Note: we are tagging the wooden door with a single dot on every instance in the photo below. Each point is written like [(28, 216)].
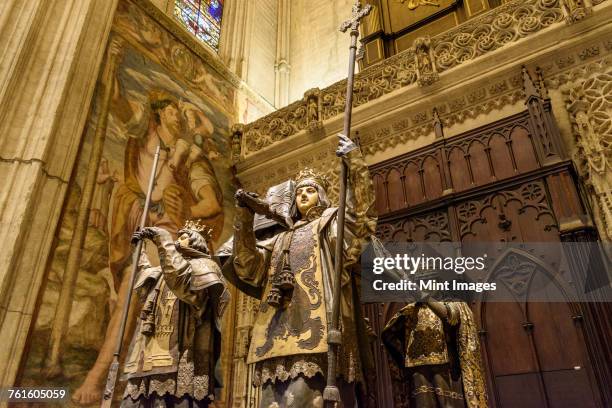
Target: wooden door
[(534, 352)]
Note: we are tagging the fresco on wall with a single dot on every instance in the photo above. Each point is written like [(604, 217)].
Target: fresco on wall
[(153, 102)]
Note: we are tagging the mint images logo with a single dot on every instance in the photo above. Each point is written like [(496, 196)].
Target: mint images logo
[(411, 264), (528, 271)]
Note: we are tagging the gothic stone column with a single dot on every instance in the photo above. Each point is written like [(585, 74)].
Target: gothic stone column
[(51, 51)]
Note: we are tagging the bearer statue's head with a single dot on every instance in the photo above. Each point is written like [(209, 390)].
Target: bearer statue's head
[(192, 239), (310, 193)]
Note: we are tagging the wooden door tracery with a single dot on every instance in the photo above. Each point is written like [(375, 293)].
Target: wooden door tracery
[(503, 182)]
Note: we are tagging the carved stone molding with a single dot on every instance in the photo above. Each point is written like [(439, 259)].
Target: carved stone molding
[(483, 100), (589, 103), (502, 25), (274, 127), (321, 160), (575, 10), (421, 64), (427, 73)]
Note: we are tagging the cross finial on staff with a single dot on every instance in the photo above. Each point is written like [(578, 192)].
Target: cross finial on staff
[(331, 394), (358, 13)]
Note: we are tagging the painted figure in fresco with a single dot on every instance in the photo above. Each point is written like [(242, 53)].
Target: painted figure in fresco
[(180, 192), (295, 269), (172, 356), (436, 346), (105, 182), (186, 187)]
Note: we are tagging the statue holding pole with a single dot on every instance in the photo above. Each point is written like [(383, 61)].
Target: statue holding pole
[(173, 352), (306, 337)]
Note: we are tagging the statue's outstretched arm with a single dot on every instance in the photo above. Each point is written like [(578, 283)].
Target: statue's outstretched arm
[(176, 271), (249, 260)]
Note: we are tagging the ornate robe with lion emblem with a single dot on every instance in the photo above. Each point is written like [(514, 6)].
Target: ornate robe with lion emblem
[(291, 340)]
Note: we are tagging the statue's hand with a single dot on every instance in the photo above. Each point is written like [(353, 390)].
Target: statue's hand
[(242, 197), (345, 145), (145, 233)]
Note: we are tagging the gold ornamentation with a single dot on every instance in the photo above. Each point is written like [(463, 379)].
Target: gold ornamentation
[(309, 175), (426, 343), (426, 389), (197, 226), (414, 4)]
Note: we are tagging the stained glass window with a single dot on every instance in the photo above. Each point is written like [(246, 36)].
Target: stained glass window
[(202, 18)]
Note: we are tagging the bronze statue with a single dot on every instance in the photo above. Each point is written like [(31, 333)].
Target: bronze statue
[(436, 346), (295, 268), (172, 356)]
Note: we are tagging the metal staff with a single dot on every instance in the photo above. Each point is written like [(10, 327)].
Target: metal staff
[(331, 393), (109, 389)]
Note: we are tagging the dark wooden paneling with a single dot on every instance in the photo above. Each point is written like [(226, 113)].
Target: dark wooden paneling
[(503, 182), (475, 158)]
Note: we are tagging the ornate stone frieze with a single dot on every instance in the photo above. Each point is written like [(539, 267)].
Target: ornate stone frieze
[(575, 10), (502, 25), (421, 64), (555, 80), (589, 102), (480, 101), (453, 112), (372, 83), (274, 127)]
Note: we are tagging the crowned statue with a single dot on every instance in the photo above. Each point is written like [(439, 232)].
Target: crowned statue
[(435, 345), (173, 353), (294, 267)]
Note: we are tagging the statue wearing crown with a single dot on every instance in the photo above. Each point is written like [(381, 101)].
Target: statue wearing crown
[(172, 356), (294, 268)]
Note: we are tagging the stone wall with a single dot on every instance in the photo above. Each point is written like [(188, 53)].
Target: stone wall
[(318, 50)]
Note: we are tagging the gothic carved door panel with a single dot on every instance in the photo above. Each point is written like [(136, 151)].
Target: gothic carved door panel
[(505, 182), (534, 351)]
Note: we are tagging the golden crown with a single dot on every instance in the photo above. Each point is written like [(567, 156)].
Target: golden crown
[(309, 175), (202, 229)]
